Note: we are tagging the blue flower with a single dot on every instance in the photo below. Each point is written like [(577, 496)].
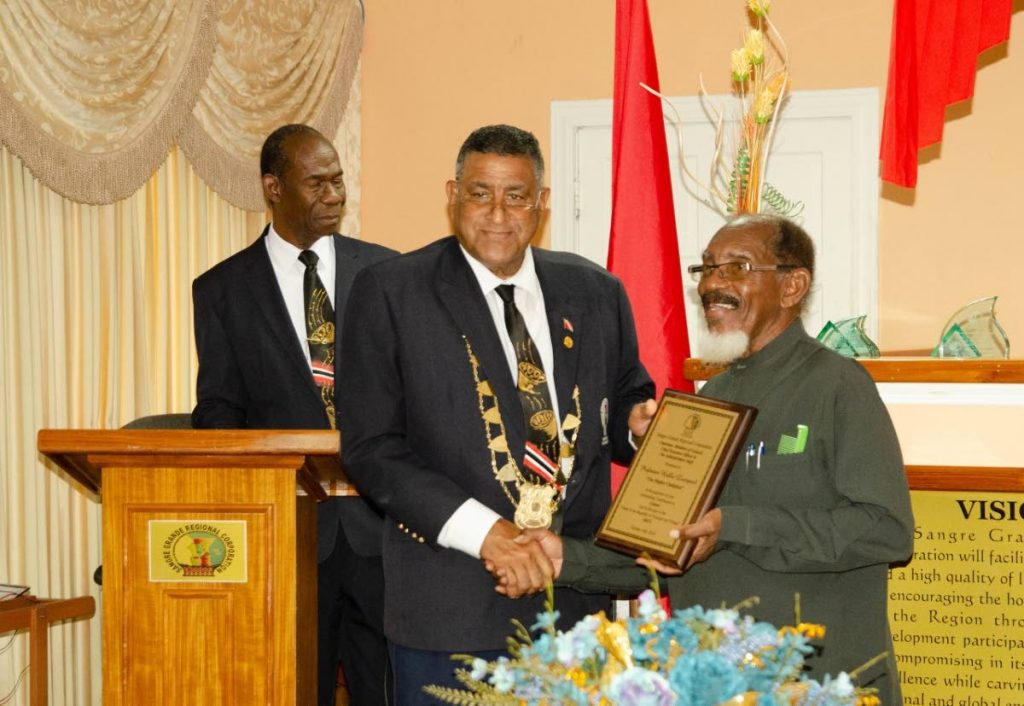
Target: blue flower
[(696, 657), (502, 678), (639, 687), (543, 648), (723, 619), (579, 643), (840, 686), (648, 606), (546, 620), (479, 670), (705, 678)]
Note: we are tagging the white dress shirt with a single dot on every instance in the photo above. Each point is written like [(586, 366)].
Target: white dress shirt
[(466, 529), (290, 274)]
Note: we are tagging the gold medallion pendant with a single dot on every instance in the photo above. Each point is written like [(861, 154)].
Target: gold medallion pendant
[(535, 507)]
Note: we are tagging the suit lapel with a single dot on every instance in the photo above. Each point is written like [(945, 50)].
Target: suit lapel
[(461, 295), (264, 290), (346, 265), (565, 322)]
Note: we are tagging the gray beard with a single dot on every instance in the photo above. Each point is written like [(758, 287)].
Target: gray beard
[(722, 348)]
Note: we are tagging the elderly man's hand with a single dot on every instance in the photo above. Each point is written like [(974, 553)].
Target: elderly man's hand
[(705, 531), (550, 542), (519, 565), (640, 417)]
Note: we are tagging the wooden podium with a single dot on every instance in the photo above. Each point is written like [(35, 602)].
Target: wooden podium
[(209, 560)]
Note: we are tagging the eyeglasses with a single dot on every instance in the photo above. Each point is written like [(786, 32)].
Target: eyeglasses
[(732, 271), (514, 201)]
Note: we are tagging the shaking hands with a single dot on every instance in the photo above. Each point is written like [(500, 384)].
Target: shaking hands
[(524, 562)]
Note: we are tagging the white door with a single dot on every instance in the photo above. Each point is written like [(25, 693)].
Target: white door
[(825, 154)]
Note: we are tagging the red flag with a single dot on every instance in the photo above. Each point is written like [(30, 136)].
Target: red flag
[(932, 63), (643, 250)]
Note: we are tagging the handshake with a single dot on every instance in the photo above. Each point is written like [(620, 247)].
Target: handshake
[(523, 562)]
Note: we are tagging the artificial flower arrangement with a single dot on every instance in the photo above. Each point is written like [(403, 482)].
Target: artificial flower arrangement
[(760, 79), (696, 657)]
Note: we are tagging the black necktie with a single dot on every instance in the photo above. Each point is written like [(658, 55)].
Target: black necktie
[(532, 383), (319, 331)]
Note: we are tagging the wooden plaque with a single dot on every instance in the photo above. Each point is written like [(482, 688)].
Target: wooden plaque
[(676, 475)]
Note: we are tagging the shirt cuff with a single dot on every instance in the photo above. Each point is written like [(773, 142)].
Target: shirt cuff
[(466, 529)]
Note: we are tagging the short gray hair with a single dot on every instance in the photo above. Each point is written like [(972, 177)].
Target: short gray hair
[(504, 140), (790, 243)]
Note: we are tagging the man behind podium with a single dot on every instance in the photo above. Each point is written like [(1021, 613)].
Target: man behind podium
[(265, 320)]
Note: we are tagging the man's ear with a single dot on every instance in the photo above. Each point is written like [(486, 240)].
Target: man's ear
[(271, 188), (451, 189), (795, 287), (545, 194)]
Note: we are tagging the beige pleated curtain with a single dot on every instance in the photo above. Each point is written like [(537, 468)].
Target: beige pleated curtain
[(129, 165)]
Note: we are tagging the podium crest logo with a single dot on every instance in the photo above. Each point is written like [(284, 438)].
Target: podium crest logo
[(206, 552), (197, 550)]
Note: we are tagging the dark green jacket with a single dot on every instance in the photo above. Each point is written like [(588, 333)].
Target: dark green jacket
[(825, 523)]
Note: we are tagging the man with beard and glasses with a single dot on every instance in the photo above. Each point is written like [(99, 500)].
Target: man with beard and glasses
[(825, 508)]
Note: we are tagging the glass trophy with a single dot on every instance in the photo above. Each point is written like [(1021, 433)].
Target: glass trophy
[(847, 337), (973, 332)]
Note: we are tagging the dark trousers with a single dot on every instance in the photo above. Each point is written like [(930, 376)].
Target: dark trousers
[(414, 669), (350, 625)]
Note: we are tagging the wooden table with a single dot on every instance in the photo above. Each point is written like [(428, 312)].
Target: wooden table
[(35, 615)]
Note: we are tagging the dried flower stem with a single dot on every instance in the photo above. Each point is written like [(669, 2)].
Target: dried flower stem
[(677, 124), (783, 50), (867, 665), (760, 83)]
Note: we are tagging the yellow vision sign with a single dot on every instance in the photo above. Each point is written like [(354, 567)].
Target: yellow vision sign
[(957, 609)]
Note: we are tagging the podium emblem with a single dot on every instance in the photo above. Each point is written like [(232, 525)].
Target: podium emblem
[(197, 550)]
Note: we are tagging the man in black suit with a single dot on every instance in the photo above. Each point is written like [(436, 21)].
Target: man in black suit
[(458, 358), (266, 359)]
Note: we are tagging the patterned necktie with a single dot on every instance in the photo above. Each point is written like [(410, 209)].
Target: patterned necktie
[(319, 331), (532, 383)]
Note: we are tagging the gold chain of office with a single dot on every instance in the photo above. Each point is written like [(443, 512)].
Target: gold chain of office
[(537, 502)]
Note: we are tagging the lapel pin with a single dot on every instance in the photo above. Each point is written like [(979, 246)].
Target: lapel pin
[(567, 325)]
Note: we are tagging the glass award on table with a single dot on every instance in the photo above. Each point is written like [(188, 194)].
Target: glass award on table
[(973, 332), (847, 337)]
